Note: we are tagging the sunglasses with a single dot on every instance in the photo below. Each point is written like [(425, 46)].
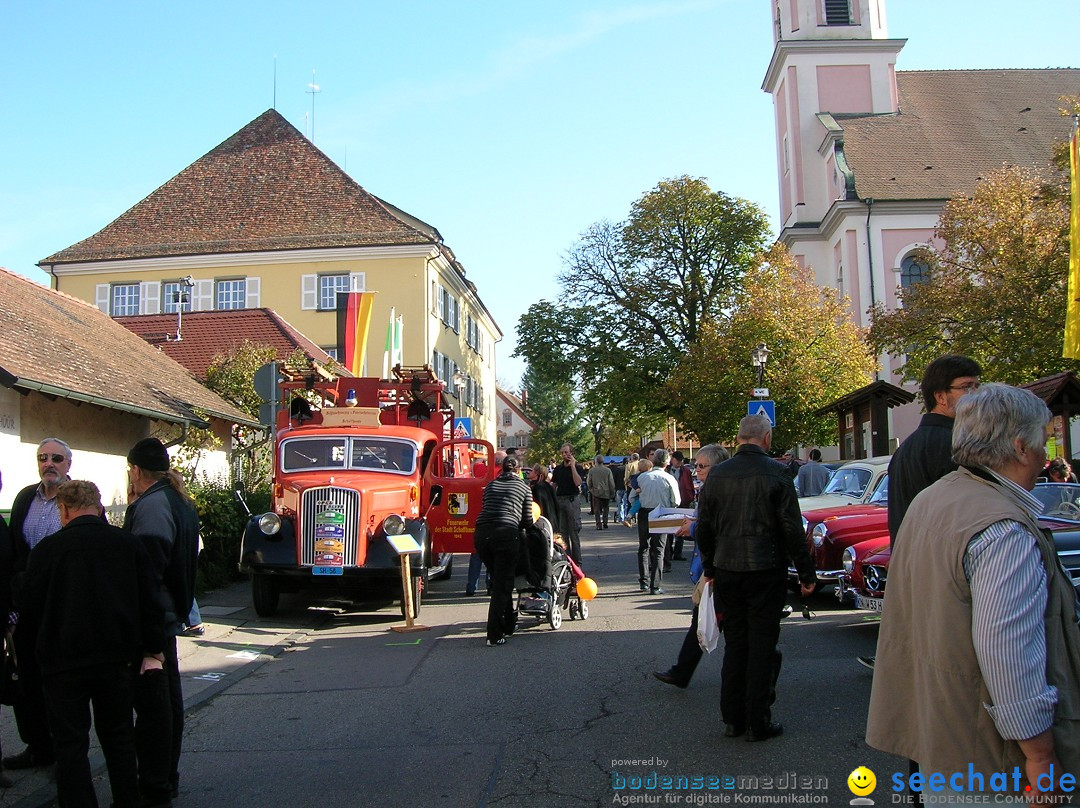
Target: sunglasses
[(56, 458), (701, 465)]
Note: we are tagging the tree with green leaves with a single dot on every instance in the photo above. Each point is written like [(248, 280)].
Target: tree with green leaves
[(636, 296), (816, 355), (550, 405), (996, 290)]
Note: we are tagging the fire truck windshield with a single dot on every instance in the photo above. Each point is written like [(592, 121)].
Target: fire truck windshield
[(342, 452)]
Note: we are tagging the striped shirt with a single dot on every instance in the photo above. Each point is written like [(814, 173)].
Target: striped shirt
[(507, 501), (1009, 593)]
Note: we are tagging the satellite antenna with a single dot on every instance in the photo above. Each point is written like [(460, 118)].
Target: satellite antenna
[(313, 88)]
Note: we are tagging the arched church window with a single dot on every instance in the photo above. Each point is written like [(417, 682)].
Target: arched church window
[(913, 271)]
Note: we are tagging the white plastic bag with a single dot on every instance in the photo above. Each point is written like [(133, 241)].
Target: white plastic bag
[(708, 630)]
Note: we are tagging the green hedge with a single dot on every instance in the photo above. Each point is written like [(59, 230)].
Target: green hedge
[(223, 520)]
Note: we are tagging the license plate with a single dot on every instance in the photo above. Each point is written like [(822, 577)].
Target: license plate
[(327, 571), (870, 604)]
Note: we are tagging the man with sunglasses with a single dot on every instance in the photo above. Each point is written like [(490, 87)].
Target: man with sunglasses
[(35, 515)]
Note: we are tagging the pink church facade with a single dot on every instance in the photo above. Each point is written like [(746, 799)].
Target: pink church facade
[(867, 155)]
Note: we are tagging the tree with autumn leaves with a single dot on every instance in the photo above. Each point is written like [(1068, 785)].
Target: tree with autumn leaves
[(816, 355), (997, 287)]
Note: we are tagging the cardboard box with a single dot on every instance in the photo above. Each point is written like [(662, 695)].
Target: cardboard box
[(668, 520)]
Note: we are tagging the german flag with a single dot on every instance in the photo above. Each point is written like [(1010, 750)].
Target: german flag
[(353, 319)]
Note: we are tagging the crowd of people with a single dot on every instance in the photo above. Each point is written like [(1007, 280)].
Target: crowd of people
[(980, 624), (93, 613)]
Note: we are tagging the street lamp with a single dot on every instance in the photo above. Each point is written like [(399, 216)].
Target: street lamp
[(458, 381), (758, 357), (183, 295)]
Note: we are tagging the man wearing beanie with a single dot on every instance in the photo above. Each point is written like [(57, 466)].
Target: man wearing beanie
[(163, 516)]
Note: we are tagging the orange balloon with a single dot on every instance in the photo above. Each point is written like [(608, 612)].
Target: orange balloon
[(536, 511), (586, 589)]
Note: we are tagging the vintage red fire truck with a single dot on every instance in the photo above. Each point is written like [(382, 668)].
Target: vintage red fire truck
[(359, 463)]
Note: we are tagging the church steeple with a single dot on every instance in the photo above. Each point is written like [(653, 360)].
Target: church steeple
[(829, 19), (831, 58)]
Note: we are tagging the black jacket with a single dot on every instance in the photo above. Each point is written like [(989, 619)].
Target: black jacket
[(169, 529), (749, 519), (922, 459), (544, 496), (91, 588), (7, 556)]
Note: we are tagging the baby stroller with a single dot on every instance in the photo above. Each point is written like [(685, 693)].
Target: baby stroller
[(545, 581)]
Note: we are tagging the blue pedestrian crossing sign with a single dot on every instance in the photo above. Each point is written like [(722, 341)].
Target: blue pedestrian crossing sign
[(766, 408)]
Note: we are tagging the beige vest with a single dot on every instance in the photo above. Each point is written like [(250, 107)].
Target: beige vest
[(928, 692)]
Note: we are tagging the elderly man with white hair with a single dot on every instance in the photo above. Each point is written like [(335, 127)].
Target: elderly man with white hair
[(979, 651), (658, 489)]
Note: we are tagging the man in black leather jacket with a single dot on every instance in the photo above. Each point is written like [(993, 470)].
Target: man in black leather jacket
[(749, 525)]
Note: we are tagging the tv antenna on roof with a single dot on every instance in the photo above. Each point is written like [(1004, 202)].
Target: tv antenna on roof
[(314, 89)]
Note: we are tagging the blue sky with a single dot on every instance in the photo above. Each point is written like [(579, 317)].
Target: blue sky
[(509, 126)]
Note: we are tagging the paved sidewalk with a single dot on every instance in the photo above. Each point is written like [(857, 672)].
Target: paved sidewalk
[(235, 643)]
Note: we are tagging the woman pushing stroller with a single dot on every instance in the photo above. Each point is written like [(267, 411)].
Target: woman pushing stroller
[(507, 509)]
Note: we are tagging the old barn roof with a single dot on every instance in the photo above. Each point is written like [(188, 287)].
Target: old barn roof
[(265, 188), (64, 347)]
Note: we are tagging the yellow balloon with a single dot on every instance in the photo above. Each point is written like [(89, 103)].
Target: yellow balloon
[(586, 589), (536, 511)]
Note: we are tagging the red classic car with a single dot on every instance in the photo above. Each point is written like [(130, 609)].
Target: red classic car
[(868, 565), (830, 531)]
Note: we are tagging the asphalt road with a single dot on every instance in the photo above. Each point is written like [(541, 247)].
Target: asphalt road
[(325, 706)]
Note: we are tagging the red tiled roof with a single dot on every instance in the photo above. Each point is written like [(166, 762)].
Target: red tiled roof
[(265, 188), (954, 128), (65, 347), (207, 334)]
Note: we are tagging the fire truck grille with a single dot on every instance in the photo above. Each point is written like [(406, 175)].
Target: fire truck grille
[(344, 504)]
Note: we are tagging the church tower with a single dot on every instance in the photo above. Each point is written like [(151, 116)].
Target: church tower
[(831, 58)]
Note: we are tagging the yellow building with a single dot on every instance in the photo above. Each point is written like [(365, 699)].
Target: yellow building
[(265, 219)]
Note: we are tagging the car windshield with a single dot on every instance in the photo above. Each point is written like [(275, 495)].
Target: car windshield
[(881, 493), (849, 481), (1060, 500), (340, 452)]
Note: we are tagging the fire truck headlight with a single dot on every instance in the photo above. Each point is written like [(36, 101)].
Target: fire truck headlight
[(269, 523), (394, 525)]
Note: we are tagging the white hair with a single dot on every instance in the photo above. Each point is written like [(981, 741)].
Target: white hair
[(990, 419)]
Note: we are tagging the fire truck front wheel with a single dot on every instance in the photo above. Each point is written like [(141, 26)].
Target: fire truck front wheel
[(265, 594)]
